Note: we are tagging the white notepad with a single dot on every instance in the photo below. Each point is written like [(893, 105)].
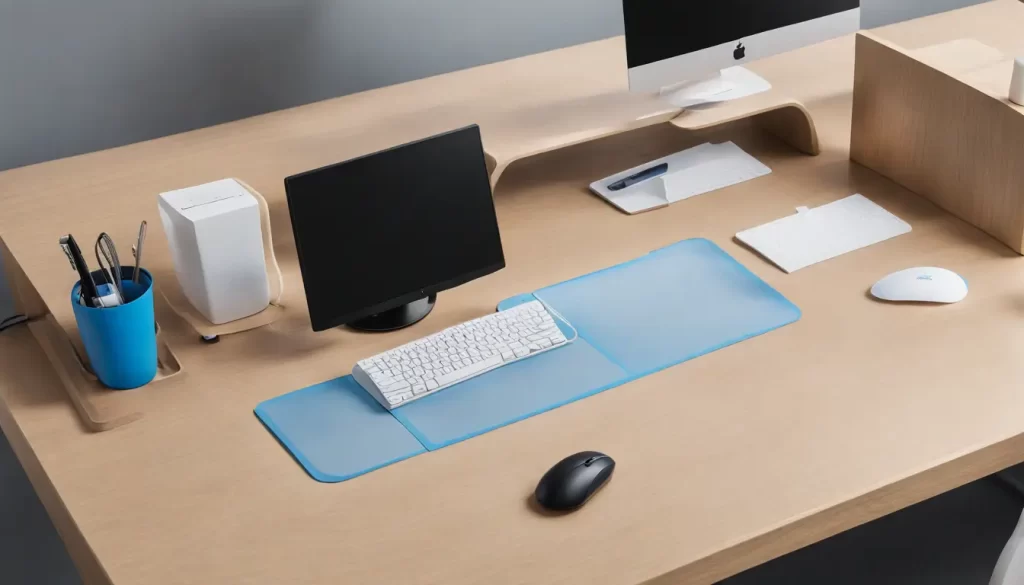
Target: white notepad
[(814, 235), (694, 171)]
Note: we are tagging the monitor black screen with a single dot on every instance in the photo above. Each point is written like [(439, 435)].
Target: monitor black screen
[(662, 29), (389, 228)]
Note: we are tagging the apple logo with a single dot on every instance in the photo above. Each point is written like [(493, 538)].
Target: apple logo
[(740, 52)]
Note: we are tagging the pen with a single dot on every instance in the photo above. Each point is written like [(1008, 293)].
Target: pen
[(643, 175), (137, 251), (87, 285)]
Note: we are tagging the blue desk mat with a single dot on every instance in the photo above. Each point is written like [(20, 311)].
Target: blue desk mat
[(337, 431), (633, 319)]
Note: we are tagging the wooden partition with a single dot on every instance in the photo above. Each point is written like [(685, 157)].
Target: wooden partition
[(938, 121)]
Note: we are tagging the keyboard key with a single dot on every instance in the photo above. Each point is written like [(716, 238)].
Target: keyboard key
[(395, 387), (469, 371)]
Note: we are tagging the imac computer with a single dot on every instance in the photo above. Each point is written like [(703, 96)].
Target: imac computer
[(379, 236), (690, 51)]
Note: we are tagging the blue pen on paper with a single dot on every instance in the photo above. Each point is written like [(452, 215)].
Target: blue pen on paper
[(655, 171)]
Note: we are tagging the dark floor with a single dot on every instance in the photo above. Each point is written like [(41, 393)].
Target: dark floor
[(953, 539), (31, 553)]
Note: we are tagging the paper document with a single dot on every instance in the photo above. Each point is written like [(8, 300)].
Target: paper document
[(814, 235), (694, 171)]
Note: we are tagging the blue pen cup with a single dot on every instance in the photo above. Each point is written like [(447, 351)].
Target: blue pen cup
[(120, 341)]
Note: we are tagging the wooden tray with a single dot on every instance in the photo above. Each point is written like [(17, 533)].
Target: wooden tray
[(99, 407)]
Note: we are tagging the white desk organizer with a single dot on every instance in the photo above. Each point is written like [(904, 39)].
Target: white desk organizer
[(170, 289), (691, 172)]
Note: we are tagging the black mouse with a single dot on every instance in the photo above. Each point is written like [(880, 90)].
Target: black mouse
[(570, 483)]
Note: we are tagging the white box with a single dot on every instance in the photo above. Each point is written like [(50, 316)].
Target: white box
[(217, 246)]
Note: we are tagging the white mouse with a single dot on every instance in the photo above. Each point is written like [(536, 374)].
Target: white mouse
[(927, 285)]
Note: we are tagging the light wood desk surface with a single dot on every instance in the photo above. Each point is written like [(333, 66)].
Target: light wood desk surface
[(724, 462)]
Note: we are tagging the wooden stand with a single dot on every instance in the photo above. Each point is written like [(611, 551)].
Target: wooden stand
[(607, 115), (938, 122), (99, 407), (170, 289)]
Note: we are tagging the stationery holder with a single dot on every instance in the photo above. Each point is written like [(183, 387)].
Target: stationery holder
[(175, 298), (120, 341)]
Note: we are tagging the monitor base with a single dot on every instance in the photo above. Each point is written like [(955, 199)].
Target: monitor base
[(396, 318), (730, 84)]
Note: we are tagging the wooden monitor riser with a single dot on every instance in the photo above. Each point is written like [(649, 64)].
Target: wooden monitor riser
[(784, 117)]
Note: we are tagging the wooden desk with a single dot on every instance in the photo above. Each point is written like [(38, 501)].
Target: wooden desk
[(725, 462)]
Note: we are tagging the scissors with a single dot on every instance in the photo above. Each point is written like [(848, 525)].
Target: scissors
[(106, 253)]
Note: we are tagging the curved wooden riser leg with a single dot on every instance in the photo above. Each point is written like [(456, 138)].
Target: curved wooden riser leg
[(792, 125), (496, 173)]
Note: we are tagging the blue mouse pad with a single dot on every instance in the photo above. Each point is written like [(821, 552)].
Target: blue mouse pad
[(633, 319)]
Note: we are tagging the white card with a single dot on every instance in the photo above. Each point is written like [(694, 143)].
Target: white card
[(814, 235)]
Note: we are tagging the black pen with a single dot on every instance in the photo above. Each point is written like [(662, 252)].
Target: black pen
[(643, 175), (78, 263)]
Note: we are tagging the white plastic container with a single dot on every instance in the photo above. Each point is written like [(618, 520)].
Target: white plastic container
[(217, 246)]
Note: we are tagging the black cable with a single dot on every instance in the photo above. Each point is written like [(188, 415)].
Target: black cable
[(12, 321)]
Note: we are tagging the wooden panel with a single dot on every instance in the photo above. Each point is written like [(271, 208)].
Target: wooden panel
[(26, 299), (941, 130), (29, 379)]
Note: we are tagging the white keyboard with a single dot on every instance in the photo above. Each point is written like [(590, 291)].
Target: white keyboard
[(458, 353)]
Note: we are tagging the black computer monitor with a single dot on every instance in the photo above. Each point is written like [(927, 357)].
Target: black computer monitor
[(379, 236)]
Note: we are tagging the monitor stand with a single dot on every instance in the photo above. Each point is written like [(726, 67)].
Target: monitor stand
[(397, 318), (730, 84)]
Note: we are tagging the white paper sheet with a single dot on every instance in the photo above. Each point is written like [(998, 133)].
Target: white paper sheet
[(815, 235)]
